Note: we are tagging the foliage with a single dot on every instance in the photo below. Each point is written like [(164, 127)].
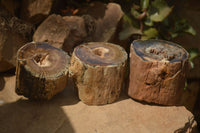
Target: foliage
[(145, 18), (153, 19), (194, 52)]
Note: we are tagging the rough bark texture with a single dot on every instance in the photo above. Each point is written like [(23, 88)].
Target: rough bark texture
[(41, 71), (69, 31), (61, 32), (98, 81), (77, 35), (107, 19), (35, 11), (159, 76), (104, 21), (13, 34), (54, 30)]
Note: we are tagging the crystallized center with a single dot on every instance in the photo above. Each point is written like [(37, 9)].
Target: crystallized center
[(42, 60), (100, 51)]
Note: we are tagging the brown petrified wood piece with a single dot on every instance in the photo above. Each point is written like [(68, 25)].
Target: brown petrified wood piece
[(35, 11), (41, 71), (98, 69), (67, 32), (14, 33), (53, 31), (157, 71), (61, 32), (107, 18)]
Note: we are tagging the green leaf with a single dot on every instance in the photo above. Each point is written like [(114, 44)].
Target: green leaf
[(127, 20), (128, 31), (163, 10), (191, 64), (161, 15), (159, 4), (190, 30), (150, 33), (135, 13), (193, 52), (129, 28), (144, 4), (186, 85), (136, 7), (148, 22), (173, 34)]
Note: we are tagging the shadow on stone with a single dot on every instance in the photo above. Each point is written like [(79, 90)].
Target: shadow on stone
[(68, 96), (10, 72), (2, 83), (24, 116)]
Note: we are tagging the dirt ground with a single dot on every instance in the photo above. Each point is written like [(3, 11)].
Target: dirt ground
[(65, 113)]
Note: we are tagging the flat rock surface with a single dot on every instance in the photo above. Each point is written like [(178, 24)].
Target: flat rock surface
[(66, 114)]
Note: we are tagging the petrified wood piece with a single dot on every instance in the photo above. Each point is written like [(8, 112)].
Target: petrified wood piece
[(41, 71), (35, 11), (61, 32), (106, 21), (69, 31), (77, 34), (14, 33), (53, 30), (157, 71), (98, 69)]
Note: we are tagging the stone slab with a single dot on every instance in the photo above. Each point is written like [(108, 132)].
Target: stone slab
[(66, 113)]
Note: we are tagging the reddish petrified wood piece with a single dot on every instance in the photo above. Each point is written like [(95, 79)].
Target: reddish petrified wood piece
[(42, 71), (157, 71), (98, 69)]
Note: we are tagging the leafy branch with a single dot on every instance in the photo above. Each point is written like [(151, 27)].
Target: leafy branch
[(153, 19)]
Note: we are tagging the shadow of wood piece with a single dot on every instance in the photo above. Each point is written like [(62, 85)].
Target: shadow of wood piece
[(2, 83), (24, 116), (197, 108), (20, 115), (190, 94)]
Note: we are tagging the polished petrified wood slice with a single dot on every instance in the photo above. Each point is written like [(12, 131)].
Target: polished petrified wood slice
[(41, 71), (98, 69), (157, 71)]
